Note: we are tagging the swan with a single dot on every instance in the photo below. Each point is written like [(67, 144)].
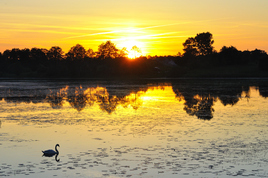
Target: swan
[(51, 152)]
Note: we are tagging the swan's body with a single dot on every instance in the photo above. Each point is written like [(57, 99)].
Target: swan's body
[(51, 152)]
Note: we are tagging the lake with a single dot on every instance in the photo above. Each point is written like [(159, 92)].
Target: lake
[(134, 128)]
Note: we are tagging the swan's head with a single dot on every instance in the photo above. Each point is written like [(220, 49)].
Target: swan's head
[(57, 145)]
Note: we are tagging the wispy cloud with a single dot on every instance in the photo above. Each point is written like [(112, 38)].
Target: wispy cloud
[(136, 30), (30, 26), (126, 30), (153, 36), (39, 31), (93, 34)]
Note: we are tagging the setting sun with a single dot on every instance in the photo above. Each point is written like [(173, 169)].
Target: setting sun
[(133, 46), (155, 31)]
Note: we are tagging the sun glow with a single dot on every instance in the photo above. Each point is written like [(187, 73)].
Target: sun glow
[(133, 46)]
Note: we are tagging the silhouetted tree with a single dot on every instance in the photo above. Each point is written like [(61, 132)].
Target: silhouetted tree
[(190, 48), (107, 50), (228, 50), (38, 54), (90, 53), (55, 53), (76, 52), (6, 55), (123, 52), (204, 43), (136, 51), (258, 54), (15, 54), (229, 55), (201, 44), (25, 55)]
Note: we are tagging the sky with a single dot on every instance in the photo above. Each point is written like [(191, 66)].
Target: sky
[(157, 27)]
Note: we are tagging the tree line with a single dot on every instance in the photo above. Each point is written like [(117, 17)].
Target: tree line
[(198, 59)]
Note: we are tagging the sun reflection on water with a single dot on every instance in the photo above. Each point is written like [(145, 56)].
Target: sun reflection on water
[(79, 97)]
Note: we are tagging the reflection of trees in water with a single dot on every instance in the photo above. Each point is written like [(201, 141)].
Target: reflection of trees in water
[(263, 89), (230, 96), (196, 101), (179, 95), (105, 101), (109, 103), (198, 96), (56, 98), (79, 98), (200, 106)]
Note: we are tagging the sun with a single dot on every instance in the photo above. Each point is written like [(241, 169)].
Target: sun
[(131, 44), (135, 52)]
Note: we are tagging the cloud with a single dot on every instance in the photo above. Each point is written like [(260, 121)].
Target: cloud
[(126, 30), (138, 29)]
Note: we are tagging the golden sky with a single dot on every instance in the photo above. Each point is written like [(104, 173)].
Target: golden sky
[(157, 27)]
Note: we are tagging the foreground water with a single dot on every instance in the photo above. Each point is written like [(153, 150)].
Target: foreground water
[(145, 128)]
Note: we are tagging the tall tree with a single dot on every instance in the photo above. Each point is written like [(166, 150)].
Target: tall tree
[(55, 53), (190, 48), (38, 54), (123, 52), (230, 55), (136, 51), (25, 54), (76, 52), (107, 50), (204, 43), (201, 44), (90, 53), (15, 54)]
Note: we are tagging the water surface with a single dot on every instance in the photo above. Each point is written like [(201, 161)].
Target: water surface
[(137, 128)]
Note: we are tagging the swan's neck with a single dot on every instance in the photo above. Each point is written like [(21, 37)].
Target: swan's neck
[(56, 149), (56, 158)]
